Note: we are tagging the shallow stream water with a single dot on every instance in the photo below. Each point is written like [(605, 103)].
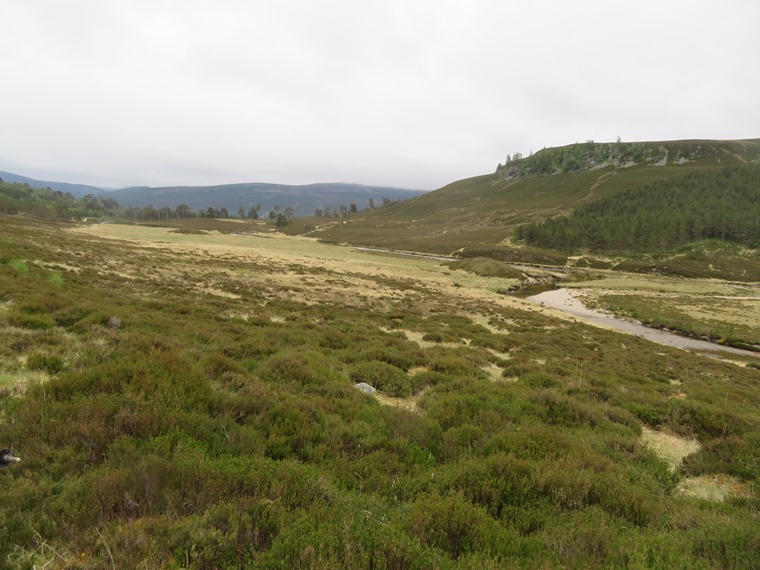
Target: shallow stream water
[(566, 300)]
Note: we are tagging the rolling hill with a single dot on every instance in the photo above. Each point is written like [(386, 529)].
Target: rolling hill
[(719, 203), (77, 190), (481, 213), (304, 199)]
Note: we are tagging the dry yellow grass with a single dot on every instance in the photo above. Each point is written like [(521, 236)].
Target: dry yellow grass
[(642, 284), (360, 273), (497, 354), (669, 447), (483, 321), (493, 371), (714, 488), (737, 311), (672, 449), (409, 403), (17, 381), (418, 338)]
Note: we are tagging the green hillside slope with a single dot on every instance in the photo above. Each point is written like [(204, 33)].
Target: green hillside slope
[(482, 212), (719, 203), (78, 190)]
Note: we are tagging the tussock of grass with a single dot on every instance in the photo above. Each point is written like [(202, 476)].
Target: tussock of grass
[(408, 403), (671, 448), (494, 372), (17, 382), (19, 266), (715, 488)]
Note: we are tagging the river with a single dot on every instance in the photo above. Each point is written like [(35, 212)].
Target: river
[(566, 300)]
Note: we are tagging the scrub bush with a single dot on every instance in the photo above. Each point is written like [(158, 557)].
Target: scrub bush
[(382, 376)]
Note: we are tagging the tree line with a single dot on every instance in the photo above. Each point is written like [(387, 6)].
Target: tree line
[(711, 204), (47, 203)]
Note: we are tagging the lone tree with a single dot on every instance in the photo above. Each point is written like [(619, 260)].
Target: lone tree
[(282, 220)]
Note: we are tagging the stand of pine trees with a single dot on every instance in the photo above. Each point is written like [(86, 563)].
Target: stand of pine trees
[(712, 204)]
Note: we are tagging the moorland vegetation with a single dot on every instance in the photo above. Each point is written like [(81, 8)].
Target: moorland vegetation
[(180, 404), (182, 392)]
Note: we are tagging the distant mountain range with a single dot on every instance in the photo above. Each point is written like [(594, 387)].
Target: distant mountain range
[(304, 199), (77, 190)]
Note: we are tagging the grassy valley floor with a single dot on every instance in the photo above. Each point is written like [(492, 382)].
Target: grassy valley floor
[(188, 400)]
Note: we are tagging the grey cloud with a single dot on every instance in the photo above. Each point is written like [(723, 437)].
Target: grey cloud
[(413, 94)]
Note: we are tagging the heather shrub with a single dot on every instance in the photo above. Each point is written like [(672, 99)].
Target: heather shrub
[(50, 363), (381, 376)]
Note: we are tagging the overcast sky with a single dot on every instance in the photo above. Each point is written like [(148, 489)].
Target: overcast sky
[(407, 93)]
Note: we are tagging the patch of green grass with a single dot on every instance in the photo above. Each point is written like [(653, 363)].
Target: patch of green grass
[(19, 266), (56, 279)]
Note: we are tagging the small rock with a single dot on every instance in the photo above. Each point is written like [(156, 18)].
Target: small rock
[(114, 323), (364, 387)]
